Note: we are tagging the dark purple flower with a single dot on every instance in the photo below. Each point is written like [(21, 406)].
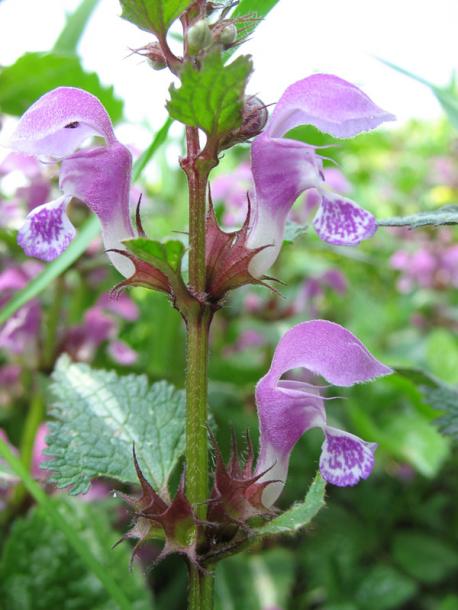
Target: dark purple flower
[(284, 168), (54, 127), (287, 409)]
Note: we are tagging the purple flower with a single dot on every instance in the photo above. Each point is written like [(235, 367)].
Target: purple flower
[(20, 332), (431, 264), (232, 190), (54, 127), (39, 452), (284, 168), (314, 289), (101, 324), (122, 353), (287, 409)]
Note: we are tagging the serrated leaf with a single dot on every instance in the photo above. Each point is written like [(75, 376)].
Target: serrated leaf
[(438, 395), (211, 98), (34, 74), (446, 215), (163, 256), (293, 230), (39, 569), (258, 9), (153, 15), (300, 514), (100, 416)]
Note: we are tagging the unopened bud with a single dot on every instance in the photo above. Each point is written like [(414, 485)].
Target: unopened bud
[(154, 55), (225, 34), (199, 37), (254, 118)]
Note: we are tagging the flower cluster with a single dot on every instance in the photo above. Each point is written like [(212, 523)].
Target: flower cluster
[(427, 263)]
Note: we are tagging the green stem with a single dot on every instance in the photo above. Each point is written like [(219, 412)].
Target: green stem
[(196, 399), (59, 521), (198, 319)]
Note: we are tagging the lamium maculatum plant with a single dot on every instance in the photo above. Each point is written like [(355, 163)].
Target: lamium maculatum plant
[(218, 507)]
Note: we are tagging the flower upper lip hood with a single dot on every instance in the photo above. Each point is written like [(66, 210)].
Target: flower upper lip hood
[(284, 168), (330, 104), (287, 409), (59, 122), (55, 126)]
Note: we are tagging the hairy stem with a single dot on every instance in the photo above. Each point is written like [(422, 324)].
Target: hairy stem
[(198, 320)]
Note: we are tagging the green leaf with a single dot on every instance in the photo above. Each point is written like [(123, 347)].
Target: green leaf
[(439, 396), (255, 8), (442, 354), (449, 603), (100, 416), (153, 15), (61, 524), (446, 215), (255, 582), (164, 256), (424, 557), (412, 438), (82, 240), (444, 398), (384, 588), (7, 475), (447, 96), (75, 25), (34, 74), (146, 156), (39, 569), (211, 98), (300, 514)]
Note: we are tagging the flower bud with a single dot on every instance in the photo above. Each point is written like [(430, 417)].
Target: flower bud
[(225, 33), (199, 37), (254, 118), (229, 34), (155, 56)]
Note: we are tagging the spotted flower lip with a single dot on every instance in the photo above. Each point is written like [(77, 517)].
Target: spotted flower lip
[(287, 408), (284, 168), (54, 127)]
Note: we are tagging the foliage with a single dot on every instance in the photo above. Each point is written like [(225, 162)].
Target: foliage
[(389, 543), (299, 515), (39, 570), (211, 98), (101, 417), (153, 15), (34, 74)]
